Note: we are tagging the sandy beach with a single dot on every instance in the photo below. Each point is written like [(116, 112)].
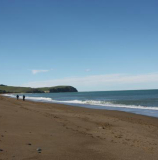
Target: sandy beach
[(64, 132)]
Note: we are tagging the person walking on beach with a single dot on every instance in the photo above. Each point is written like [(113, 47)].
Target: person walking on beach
[(23, 97), (17, 97)]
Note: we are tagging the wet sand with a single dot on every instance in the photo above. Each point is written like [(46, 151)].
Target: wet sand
[(73, 133)]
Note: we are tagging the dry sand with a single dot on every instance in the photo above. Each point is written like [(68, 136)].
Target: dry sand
[(74, 133)]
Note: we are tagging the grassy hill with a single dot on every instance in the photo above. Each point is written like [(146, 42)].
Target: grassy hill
[(56, 89)]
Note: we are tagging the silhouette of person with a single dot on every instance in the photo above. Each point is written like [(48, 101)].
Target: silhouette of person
[(23, 97), (17, 97)]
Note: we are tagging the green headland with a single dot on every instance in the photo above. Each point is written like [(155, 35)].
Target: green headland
[(55, 89)]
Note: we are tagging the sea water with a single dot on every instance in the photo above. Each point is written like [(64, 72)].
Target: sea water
[(143, 102)]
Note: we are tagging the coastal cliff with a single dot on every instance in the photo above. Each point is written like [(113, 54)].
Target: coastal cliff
[(55, 89)]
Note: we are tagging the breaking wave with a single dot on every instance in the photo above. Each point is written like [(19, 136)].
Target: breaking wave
[(87, 102)]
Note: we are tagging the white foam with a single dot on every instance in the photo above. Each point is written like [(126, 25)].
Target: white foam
[(109, 104), (39, 99), (9, 95)]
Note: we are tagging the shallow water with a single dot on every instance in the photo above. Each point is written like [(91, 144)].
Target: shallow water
[(143, 102)]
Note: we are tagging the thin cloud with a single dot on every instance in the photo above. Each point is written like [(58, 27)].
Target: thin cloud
[(39, 71), (102, 82), (87, 70)]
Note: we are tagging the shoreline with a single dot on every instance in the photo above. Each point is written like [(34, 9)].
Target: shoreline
[(137, 111), (67, 132)]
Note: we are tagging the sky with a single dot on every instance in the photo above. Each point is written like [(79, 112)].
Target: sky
[(93, 45)]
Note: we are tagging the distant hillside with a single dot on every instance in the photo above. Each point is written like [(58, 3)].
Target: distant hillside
[(56, 89)]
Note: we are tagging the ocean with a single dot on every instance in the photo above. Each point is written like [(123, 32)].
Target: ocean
[(144, 102)]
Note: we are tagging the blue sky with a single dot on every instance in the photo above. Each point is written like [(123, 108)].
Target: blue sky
[(90, 44)]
